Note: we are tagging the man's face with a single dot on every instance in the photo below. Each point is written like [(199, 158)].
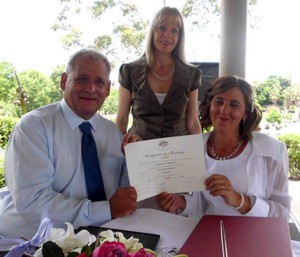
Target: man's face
[(86, 88)]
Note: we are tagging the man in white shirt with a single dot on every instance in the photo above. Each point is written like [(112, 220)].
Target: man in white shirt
[(43, 165)]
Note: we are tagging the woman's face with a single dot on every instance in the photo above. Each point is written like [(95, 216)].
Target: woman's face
[(166, 35), (227, 110)]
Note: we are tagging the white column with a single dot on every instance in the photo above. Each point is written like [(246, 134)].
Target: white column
[(233, 37)]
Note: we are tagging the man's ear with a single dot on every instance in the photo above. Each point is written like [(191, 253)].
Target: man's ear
[(63, 80), (108, 88)]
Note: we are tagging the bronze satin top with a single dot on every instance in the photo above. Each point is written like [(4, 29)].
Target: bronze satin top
[(150, 119)]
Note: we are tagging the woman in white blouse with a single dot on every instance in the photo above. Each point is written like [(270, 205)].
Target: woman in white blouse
[(247, 170)]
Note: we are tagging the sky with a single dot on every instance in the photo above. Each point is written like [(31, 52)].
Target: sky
[(28, 42), (274, 49)]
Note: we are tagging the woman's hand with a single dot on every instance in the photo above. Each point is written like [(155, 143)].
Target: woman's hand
[(219, 185), (129, 138), (171, 202)]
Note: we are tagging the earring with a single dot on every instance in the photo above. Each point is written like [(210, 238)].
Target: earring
[(243, 123)]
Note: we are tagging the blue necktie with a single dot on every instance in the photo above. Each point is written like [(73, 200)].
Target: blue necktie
[(91, 165)]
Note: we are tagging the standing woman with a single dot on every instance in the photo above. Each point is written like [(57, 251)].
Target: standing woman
[(160, 88)]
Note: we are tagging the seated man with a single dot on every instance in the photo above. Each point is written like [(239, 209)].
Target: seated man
[(44, 167)]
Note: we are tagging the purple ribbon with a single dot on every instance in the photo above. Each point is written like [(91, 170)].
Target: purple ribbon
[(21, 246)]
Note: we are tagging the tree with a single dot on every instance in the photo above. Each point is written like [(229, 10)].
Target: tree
[(272, 90), (38, 88), (8, 81), (8, 87), (274, 116), (21, 99), (131, 33), (110, 105), (27, 90), (128, 24), (201, 13), (292, 94), (56, 94), (262, 93), (281, 85)]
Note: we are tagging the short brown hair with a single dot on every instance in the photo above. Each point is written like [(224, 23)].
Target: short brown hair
[(89, 53), (222, 84)]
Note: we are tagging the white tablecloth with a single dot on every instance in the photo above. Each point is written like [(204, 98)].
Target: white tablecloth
[(173, 229)]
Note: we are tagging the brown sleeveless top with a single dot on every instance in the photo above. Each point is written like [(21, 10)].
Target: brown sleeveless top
[(150, 119)]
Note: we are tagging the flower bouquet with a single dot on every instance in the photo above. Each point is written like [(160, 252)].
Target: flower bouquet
[(50, 242), (63, 243)]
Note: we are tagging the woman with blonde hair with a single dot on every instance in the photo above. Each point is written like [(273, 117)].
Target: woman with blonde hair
[(160, 89)]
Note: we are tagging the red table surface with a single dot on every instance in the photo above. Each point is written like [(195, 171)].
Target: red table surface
[(246, 237)]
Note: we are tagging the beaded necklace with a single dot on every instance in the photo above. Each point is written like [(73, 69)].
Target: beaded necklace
[(214, 154), (170, 75)]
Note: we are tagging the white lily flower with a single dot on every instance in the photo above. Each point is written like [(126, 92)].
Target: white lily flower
[(67, 240), (107, 234), (132, 244)]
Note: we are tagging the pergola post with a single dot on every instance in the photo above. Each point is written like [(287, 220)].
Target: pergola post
[(233, 38)]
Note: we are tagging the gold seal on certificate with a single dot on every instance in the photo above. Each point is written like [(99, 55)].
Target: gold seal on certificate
[(171, 164)]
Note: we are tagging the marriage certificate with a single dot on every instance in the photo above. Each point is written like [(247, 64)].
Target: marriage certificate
[(171, 164)]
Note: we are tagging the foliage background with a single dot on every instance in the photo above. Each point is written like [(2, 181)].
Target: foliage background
[(292, 142), (2, 182)]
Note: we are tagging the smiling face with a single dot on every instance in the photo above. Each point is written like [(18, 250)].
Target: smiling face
[(227, 110), (166, 35), (86, 87)]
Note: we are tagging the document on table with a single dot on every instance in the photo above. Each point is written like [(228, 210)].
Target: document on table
[(173, 229), (172, 164)]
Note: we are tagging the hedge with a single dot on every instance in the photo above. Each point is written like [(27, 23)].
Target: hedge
[(2, 182), (6, 126), (292, 142)]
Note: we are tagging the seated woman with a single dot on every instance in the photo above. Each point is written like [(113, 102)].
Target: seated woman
[(247, 170)]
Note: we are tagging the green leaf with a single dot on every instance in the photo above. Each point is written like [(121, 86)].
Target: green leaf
[(72, 254), (51, 249), (88, 249)]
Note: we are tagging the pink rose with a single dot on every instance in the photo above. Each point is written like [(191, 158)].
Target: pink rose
[(141, 253), (110, 249)]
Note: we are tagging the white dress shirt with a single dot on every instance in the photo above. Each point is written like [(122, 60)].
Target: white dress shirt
[(45, 176)]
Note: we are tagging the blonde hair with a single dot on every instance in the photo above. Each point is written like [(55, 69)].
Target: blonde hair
[(166, 13)]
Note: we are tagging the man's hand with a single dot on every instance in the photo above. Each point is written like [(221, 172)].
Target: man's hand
[(123, 202)]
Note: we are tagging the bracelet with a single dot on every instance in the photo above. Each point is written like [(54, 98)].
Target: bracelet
[(242, 202), (178, 211)]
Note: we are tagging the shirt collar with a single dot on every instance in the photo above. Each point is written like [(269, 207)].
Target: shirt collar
[(72, 118)]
